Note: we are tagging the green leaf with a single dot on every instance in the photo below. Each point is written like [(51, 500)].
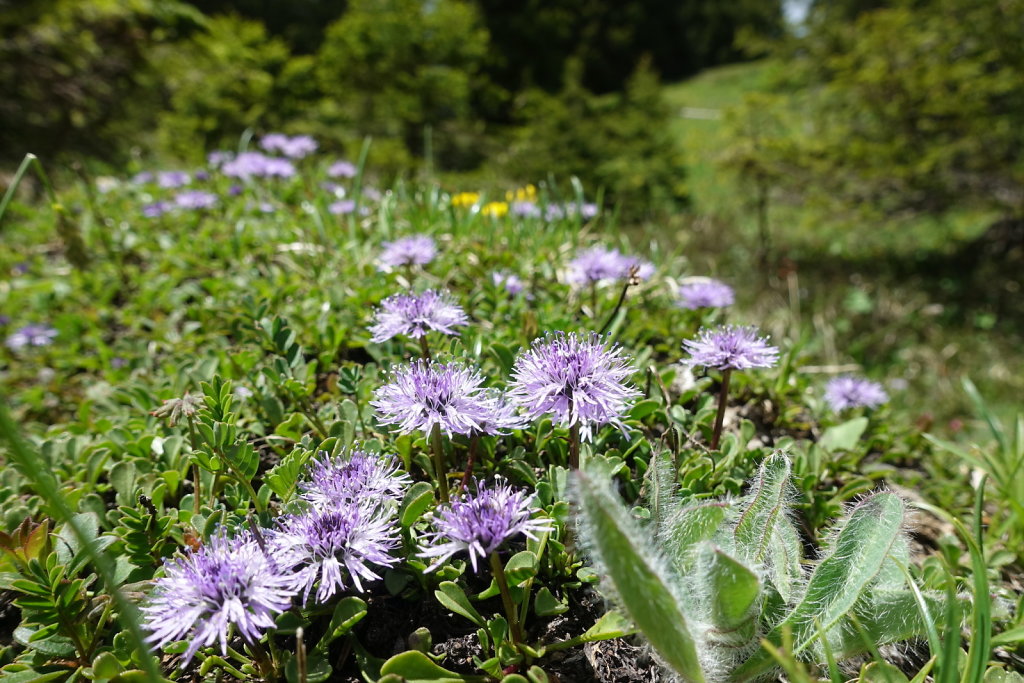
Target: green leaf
[(693, 524), (417, 499), (845, 436), (348, 612), (610, 625), (521, 568), (415, 667), (283, 477), (767, 503), (734, 591), (545, 604), (317, 669), (452, 597), (638, 577), (881, 672)]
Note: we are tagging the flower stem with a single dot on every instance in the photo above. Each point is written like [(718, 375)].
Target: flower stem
[(506, 598), (723, 395), (424, 347), (574, 446), (439, 469), (474, 442)]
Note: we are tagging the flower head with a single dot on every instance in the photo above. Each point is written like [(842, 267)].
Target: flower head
[(854, 392), (418, 250), (510, 281), (342, 207), (525, 209), (31, 335), (729, 347), (416, 314), (705, 293), (357, 477), (480, 523), (342, 169), (227, 582), (421, 395), (250, 164), (196, 199), (295, 147), (326, 545), (172, 179), (578, 379), (597, 263)]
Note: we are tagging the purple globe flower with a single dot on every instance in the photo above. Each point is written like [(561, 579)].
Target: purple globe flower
[(359, 477), (142, 178), (273, 142), (586, 210), (480, 523), (416, 314), (333, 547), (525, 209), (553, 212), (422, 395), (31, 335), (705, 293), (255, 164), (510, 281), (578, 379), (342, 207), (854, 392), (295, 147), (229, 582), (342, 169), (157, 209), (172, 179), (418, 250), (730, 347), (196, 199), (597, 263), (218, 158)]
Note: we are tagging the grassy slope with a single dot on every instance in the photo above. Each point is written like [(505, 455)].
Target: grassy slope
[(860, 275)]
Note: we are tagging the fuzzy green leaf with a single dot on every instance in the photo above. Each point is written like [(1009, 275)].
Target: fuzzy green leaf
[(639, 579), (767, 504), (734, 591)]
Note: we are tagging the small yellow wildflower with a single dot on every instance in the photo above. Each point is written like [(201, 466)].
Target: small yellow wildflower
[(496, 209), (522, 194), (465, 199)]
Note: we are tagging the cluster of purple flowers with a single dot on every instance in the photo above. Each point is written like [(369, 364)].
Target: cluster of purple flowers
[(295, 147), (195, 199), (342, 169), (414, 315), (481, 523), (30, 335), (172, 179), (257, 165), (450, 396), (347, 528), (417, 250), (512, 283), (578, 379), (847, 391), (705, 293), (598, 264), (730, 347)]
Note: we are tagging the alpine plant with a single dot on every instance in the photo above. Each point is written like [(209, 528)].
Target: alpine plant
[(706, 581)]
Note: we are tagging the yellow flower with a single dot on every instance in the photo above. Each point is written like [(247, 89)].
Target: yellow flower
[(496, 209), (465, 199), (522, 194)]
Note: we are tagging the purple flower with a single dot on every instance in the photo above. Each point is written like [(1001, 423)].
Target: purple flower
[(343, 207), (729, 347), (157, 209), (421, 395), (553, 212), (295, 147), (4, 320), (418, 250), (274, 142), (323, 546), (705, 293), (342, 169), (31, 335), (586, 210), (218, 158), (579, 380), (357, 477), (414, 315), (372, 193), (597, 263), (510, 281), (202, 175), (481, 523), (250, 164), (229, 582), (172, 179), (235, 190), (142, 178), (196, 199), (854, 392), (525, 209), (266, 207)]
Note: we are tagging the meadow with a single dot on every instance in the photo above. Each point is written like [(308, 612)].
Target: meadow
[(267, 420)]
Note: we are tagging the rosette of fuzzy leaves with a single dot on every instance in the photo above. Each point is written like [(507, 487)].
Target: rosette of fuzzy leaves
[(705, 581)]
